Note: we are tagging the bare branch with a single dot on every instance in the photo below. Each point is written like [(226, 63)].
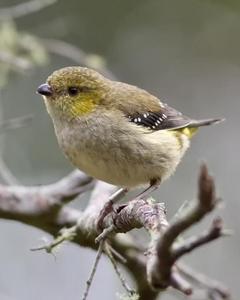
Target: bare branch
[(204, 282), (124, 283), (206, 203), (67, 188), (94, 269), (66, 234), (179, 283), (162, 256), (189, 245), (17, 202), (43, 207)]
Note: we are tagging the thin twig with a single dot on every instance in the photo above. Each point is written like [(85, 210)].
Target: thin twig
[(123, 281), (180, 284), (214, 232), (94, 268), (104, 234), (117, 255), (66, 234), (203, 281)]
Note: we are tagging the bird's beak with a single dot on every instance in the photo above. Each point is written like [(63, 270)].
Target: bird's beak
[(45, 90)]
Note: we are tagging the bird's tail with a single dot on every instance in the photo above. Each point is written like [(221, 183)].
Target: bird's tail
[(206, 122)]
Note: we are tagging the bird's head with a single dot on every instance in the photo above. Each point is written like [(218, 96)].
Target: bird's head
[(73, 92)]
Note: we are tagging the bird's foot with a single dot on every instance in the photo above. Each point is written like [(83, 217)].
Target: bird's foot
[(109, 207)]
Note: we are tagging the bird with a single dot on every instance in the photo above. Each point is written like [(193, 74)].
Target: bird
[(114, 131)]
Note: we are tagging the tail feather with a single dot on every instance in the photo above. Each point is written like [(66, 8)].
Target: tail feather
[(206, 122)]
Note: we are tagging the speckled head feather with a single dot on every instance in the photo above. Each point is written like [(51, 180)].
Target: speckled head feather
[(75, 91), (80, 77)]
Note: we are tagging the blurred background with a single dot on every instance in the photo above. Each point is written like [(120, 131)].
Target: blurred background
[(186, 52)]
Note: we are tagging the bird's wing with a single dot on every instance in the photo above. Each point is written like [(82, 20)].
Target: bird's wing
[(166, 118)]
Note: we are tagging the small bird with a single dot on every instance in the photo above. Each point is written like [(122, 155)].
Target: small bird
[(114, 131)]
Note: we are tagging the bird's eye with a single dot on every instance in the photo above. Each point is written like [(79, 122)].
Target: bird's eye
[(73, 91)]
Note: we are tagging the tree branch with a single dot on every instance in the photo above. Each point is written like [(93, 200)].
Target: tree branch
[(165, 249), (45, 207), (22, 202)]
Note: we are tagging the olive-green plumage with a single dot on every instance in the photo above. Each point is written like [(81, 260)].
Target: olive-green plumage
[(114, 131)]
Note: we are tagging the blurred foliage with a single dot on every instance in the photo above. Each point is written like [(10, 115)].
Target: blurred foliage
[(19, 51)]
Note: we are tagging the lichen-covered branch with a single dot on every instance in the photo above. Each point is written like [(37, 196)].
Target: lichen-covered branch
[(36, 204), (154, 267)]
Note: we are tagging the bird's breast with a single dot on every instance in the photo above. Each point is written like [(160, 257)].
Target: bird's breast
[(119, 152)]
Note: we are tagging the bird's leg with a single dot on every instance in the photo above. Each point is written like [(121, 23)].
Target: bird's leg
[(108, 206), (118, 195), (154, 184)]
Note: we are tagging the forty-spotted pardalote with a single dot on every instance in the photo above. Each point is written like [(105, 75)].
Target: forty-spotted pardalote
[(114, 131)]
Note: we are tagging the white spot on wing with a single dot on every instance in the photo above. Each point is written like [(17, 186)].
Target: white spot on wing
[(164, 116)]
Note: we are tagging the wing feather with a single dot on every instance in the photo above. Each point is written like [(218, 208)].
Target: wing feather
[(166, 118)]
